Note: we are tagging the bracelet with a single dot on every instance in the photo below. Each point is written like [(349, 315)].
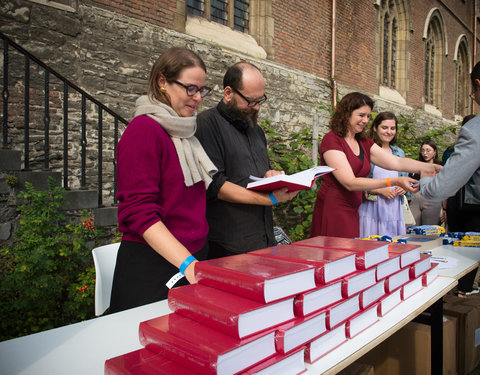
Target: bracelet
[(186, 263), (388, 182), (272, 198)]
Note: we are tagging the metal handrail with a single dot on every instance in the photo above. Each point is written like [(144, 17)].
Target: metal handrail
[(67, 85)]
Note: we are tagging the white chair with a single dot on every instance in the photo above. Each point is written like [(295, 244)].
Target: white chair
[(105, 258)]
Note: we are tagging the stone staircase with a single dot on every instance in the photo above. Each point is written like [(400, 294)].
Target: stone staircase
[(78, 200)]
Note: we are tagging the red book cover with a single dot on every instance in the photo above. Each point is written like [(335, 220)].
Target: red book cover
[(203, 349), (361, 321), (341, 311), (358, 281), (291, 363), (408, 253), (412, 287), (298, 332), (143, 362), (396, 280), (297, 181), (389, 302), (387, 267), (259, 278), (317, 299), (430, 275), (420, 266), (372, 294), (330, 264), (234, 315), (369, 253), (324, 344)]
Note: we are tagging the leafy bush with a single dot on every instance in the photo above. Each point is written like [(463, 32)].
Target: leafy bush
[(47, 279), (294, 217)]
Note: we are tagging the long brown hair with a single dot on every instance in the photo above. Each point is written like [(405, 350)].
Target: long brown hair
[(341, 117), (372, 132), (432, 144), (170, 64)]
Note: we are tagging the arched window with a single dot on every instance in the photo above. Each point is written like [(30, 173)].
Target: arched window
[(434, 55), (462, 79), (393, 37), (389, 44)]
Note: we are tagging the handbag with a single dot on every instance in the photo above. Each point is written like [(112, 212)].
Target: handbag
[(407, 213)]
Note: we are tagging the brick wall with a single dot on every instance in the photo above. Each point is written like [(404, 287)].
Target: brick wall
[(302, 35), (159, 13)]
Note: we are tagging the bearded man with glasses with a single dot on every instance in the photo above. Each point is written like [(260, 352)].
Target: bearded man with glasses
[(240, 220)]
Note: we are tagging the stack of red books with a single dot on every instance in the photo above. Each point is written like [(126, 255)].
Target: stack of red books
[(276, 308)]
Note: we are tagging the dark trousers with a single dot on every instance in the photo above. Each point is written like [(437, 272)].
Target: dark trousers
[(141, 274), (217, 251), (462, 217)]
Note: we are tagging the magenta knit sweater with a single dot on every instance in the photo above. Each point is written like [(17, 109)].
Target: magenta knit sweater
[(151, 187)]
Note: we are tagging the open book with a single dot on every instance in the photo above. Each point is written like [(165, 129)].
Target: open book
[(293, 182)]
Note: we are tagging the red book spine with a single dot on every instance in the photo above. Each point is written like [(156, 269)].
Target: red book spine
[(420, 266), (357, 282), (429, 276), (361, 321), (396, 280), (297, 333), (177, 350), (194, 307), (324, 344), (241, 284), (143, 362)]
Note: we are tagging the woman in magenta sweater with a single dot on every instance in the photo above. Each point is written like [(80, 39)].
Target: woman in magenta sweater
[(162, 175)]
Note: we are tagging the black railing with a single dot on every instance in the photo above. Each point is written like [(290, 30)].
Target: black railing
[(68, 87)]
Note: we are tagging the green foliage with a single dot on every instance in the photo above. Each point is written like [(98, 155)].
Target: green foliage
[(47, 278), (11, 181), (410, 140), (294, 217)]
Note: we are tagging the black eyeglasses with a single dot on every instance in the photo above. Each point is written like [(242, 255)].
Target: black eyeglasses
[(251, 103), (193, 89)]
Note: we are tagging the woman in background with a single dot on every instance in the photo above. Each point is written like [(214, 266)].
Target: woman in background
[(382, 213), (424, 211), (162, 175), (347, 149)]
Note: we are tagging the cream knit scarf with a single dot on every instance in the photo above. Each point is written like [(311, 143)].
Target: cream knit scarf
[(195, 163)]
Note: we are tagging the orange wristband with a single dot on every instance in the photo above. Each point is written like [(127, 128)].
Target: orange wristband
[(388, 182)]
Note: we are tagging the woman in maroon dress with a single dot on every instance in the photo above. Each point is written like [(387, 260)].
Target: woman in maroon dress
[(347, 149)]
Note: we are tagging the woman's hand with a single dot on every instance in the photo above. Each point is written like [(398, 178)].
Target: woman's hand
[(399, 190), (405, 183), (388, 192), (190, 272)]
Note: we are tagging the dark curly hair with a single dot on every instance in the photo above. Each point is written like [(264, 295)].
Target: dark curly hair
[(341, 117)]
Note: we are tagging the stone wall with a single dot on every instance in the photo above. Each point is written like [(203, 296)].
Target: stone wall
[(110, 55)]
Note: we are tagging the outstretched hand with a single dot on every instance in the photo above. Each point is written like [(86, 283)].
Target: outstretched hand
[(430, 170), (406, 183)]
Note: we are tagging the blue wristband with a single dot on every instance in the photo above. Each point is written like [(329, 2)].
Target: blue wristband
[(186, 263), (272, 198)]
